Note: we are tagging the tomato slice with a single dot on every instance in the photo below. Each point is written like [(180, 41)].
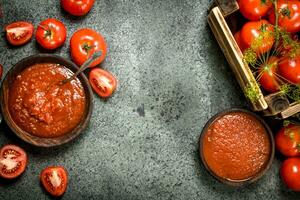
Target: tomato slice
[(19, 33), (103, 82), (55, 180), (13, 161)]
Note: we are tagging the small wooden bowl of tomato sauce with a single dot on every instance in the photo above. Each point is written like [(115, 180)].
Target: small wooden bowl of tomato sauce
[(41, 110), (236, 147)]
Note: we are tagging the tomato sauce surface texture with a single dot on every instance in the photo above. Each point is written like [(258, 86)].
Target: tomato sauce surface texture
[(236, 146), (42, 107)]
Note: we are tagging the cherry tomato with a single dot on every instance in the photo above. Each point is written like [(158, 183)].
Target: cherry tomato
[(287, 140), (268, 75), (238, 39), (290, 173), (254, 9), (55, 180), (84, 43), (258, 35), (51, 33), (19, 33), (103, 82), (289, 68), (289, 15), (77, 7), (13, 161)]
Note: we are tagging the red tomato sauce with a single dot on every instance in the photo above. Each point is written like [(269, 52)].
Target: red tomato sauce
[(42, 107), (236, 146)]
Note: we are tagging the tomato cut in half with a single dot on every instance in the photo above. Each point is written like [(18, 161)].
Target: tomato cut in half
[(84, 43), (103, 82), (254, 9), (287, 140), (19, 33), (289, 68), (290, 173), (13, 161), (55, 180), (268, 75), (51, 33), (289, 15), (77, 7)]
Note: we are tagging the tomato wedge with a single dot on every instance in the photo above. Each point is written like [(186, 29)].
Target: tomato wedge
[(19, 33), (103, 82), (55, 180), (13, 161)]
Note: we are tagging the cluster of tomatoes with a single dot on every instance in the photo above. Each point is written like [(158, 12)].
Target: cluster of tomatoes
[(278, 64), (14, 160), (52, 33)]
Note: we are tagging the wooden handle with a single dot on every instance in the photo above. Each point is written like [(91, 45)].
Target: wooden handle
[(234, 55)]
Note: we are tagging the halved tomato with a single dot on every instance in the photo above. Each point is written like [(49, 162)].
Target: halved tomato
[(55, 180), (19, 33), (103, 82), (13, 161)]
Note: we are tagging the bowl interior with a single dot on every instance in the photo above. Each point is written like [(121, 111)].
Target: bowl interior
[(238, 183), (4, 94)]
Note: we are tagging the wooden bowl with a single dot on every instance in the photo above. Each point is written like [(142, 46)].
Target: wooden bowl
[(27, 137), (257, 176)]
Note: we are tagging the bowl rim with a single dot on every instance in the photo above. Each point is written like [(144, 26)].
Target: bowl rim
[(43, 141), (258, 175)]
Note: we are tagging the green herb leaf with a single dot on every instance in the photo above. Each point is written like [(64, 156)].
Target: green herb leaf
[(252, 92)]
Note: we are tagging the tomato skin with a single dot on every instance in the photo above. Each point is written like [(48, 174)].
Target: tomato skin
[(51, 34), (50, 175), (77, 7), (254, 9), (19, 33), (287, 140), (103, 82), (290, 173), (1, 71), (252, 30), (238, 39), (12, 153), (268, 77), (292, 22), (84, 43), (289, 68)]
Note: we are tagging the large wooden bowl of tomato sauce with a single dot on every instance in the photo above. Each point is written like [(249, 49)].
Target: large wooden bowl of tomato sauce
[(38, 108)]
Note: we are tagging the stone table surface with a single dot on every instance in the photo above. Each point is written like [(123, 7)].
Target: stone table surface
[(142, 142)]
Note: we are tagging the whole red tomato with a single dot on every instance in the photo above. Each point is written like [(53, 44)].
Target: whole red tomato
[(259, 35), (268, 75), (254, 9), (287, 140), (51, 33), (19, 33), (77, 7), (84, 43), (289, 68), (103, 82), (289, 15), (290, 173)]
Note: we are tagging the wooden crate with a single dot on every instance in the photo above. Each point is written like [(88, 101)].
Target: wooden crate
[(276, 104)]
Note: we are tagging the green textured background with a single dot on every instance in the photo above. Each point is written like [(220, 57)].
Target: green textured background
[(142, 142)]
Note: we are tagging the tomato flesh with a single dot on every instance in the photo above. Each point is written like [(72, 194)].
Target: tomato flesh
[(258, 35), (254, 9), (51, 34), (77, 7), (13, 161), (19, 33), (268, 75), (289, 68), (289, 15), (55, 180), (103, 82), (84, 43), (290, 173), (287, 140)]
